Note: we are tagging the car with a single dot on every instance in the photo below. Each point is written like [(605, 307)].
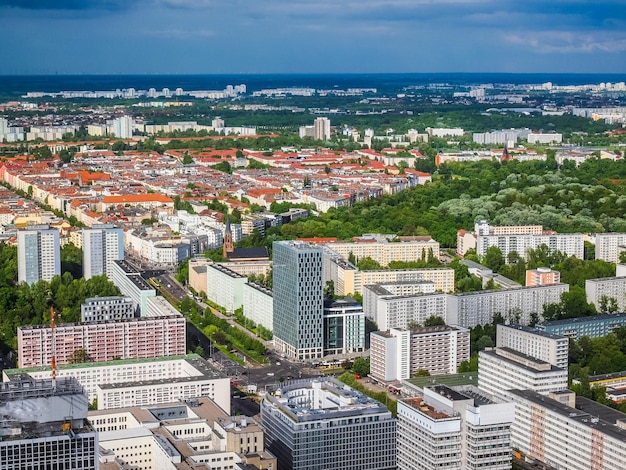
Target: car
[(271, 374), (278, 363)]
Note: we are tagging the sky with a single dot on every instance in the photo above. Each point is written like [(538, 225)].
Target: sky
[(311, 36)]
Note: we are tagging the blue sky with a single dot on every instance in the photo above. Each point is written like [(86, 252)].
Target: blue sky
[(311, 36)]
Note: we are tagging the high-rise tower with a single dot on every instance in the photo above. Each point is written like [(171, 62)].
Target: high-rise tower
[(38, 254), (298, 299), (102, 244)]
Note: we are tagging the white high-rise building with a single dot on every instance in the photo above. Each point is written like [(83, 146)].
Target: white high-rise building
[(102, 244), (298, 299), (321, 129), (454, 429), (122, 127), (535, 343), (38, 254)]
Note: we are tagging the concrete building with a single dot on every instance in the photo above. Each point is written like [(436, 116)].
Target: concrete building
[(298, 300), (38, 254), (503, 369), (130, 283), (545, 138), (609, 246), (321, 129), (466, 240), (384, 249), (398, 311), (517, 305), (224, 287), (322, 423), (158, 380), (595, 326), (177, 435), (601, 290), (102, 341), (450, 429), (45, 426), (571, 244), (258, 305), (102, 244), (547, 347), (102, 309), (594, 436), (344, 326), (400, 353), (542, 277)]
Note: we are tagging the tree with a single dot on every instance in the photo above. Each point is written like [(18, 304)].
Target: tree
[(493, 258), (361, 366), (484, 342), (608, 304), (78, 357), (329, 290), (434, 320), (187, 159), (421, 373)]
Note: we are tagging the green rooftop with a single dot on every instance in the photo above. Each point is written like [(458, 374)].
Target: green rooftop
[(451, 380)]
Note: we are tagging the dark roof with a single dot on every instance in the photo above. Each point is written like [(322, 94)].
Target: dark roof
[(246, 253)]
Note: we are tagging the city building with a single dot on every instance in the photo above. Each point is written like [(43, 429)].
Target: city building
[(552, 138), (38, 254), (436, 349), (594, 326), (224, 287), (183, 434), (322, 423), (568, 432), (130, 283), (102, 309), (399, 311), (570, 244), (601, 290), (542, 277), (503, 369), (102, 244), (454, 429), (344, 326), (139, 382), (44, 426), (535, 343), (609, 246), (258, 305), (298, 299), (387, 248), (519, 305), (321, 128), (101, 341), (466, 240)]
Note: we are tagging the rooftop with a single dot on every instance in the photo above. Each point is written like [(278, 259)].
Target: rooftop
[(592, 319)]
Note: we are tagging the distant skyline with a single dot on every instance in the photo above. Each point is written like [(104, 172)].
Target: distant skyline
[(323, 36)]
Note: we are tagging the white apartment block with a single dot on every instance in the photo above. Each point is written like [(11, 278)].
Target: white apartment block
[(466, 240), (609, 246), (454, 429), (170, 436), (609, 287), (547, 347), (545, 138), (570, 433), (171, 377), (130, 283), (389, 355), (400, 353), (390, 311), (225, 287), (38, 254), (258, 305), (571, 244), (515, 305), (442, 277), (100, 309), (503, 369), (102, 341), (321, 128), (102, 244), (444, 132), (383, 251)]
